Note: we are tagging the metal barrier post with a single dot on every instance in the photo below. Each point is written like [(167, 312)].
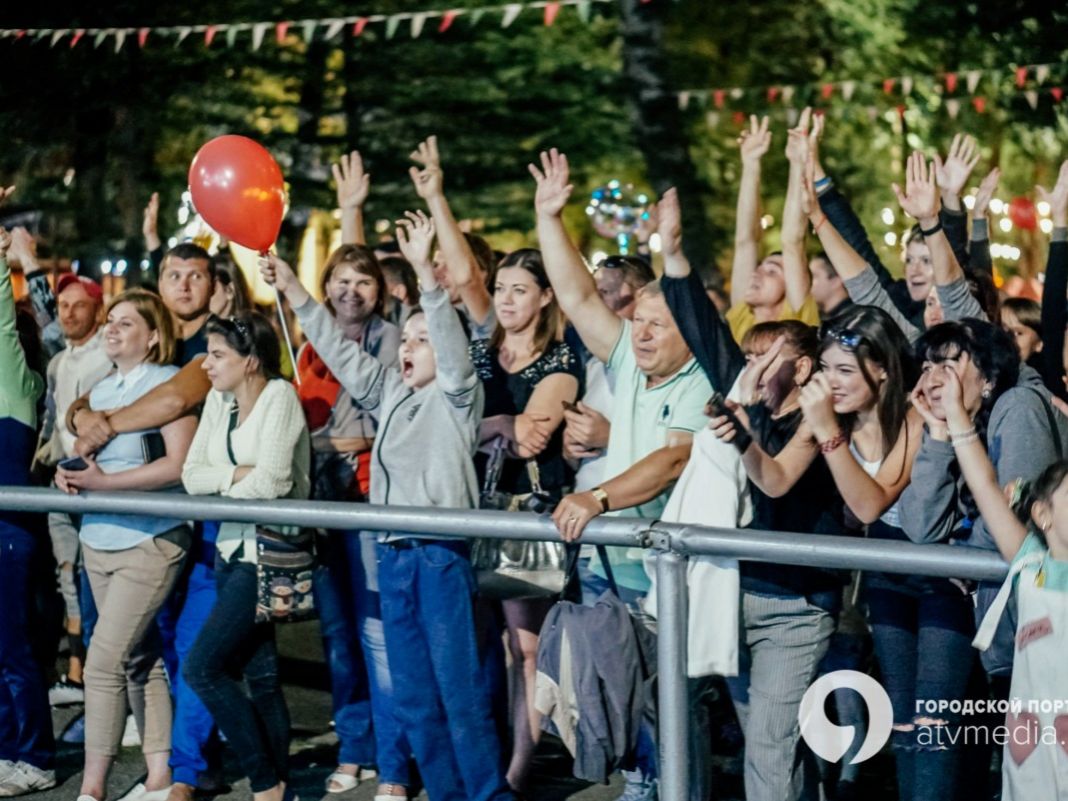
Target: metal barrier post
[(673, 712)]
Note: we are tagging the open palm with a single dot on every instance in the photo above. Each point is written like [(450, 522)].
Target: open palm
[(553, 190)]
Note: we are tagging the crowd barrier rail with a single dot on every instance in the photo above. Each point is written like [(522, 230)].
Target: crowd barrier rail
[(673, 543)]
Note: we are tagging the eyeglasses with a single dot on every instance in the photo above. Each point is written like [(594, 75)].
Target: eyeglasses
[(847, 340)]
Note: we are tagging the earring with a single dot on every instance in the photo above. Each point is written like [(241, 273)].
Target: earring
[(986, 393)]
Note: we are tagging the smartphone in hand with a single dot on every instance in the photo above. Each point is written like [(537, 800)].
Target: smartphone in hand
[(73, 463), (717, 407)]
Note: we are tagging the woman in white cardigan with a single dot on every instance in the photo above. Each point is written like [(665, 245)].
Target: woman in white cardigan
[(252, 442)]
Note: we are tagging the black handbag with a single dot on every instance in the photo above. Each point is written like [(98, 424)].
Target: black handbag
[(285, 567)]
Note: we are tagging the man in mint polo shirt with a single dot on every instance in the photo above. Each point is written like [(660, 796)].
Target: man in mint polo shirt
[(660, 391)]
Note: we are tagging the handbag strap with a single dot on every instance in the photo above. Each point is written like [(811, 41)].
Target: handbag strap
[(1051, 418), (602, 552), (229, 431)]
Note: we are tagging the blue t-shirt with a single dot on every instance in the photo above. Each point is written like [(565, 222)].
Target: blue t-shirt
[(106, 532)]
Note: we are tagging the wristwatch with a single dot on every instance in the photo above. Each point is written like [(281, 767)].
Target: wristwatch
[(601, 496)]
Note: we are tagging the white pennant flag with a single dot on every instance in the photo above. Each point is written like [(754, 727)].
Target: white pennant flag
[(737, 93), (971, 80), (684, 100), (57, 35), (259, 30), (791, 116), (906, 86), (953, 107), (418, 20), (712, 118), (1032, 98), (511, 11), (848, 87), (99, 38), (120, 39), (787, 94), (182, 33), (334, 28), (1042, 73)]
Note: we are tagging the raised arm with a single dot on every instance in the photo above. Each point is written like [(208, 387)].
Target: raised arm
[(150, 232), (952, 175), (795, 262), (979, 247), (572, 282), (353, 186), (459, 259), (21, 386), (753, 143)]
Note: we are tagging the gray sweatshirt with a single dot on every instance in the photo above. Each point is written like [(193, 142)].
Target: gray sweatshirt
[(426, 437), (1020, 445)]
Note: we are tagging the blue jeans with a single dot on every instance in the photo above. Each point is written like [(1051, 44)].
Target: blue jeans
[(922, 633), (25, 717), (232, 646), (87, 605), (428, 591), (346, 593)]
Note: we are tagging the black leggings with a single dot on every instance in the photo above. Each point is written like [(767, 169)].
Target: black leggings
[(232, 646)]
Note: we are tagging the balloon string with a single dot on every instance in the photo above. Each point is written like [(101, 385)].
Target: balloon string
[(285, 332)]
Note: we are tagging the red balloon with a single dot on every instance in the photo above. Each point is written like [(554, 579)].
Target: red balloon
[(1023, 214), (237, 188)]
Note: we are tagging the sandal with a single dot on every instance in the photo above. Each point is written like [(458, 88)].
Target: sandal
[(387, 797), (338, 782)]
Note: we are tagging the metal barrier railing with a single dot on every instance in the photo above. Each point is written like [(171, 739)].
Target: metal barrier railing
[(673, 542)]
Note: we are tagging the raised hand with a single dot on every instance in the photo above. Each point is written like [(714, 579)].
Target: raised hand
[(23, 250), (353, 184), (810, 204), (5, 242), (669, 223), (415, 235), (5, 193), (429, 181), (797, 139), (953, 174), (986, 191), (1058, 198), (755, 142), (277, 273), (150, 223), (920, 198), (553, 190)]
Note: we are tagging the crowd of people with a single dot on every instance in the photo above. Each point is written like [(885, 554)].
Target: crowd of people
[(822, 397)]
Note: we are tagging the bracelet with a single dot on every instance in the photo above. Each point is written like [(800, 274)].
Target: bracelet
[(963, 439), (931, 231), (602, 498), (834, 443), (816, 227), (954, 436)]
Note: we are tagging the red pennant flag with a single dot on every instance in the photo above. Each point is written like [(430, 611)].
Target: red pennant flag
[(209, 34), (888, 85), (551, 10), (19, 34), (1021, 77), (142, 36), (951, 82), (1057, 93), (773, 93), (979, 103), (739, 118), (446, 21), (280, 31), (826, 91), (901, 111), (718, 97), (78, 34), (358, 26)]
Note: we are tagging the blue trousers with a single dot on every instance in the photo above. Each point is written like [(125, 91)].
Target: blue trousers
[(25, 718), (346, 593), (428, 591), (88, 607)]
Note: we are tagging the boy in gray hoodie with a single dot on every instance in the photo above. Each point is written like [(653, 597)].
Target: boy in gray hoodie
[(428, 413)]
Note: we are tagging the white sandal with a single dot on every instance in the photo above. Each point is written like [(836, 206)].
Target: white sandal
[(393, 797), (347, 781)]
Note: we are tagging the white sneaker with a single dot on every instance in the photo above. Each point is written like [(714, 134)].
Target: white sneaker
[(27, 778), (139, 793), (65, 692), (130, 735)]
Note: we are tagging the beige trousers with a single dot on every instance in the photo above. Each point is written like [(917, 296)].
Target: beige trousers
[(129, 587)]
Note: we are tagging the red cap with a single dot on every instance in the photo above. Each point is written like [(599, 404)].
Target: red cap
[(91, 287)]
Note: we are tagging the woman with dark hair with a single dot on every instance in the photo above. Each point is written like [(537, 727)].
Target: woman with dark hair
[(529, 373), (403, 287), (252, 442), (231, 295)]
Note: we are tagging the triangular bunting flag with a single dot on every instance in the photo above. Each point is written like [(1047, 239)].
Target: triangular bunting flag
[(1032, 98), (888, 85), (418, 21), (551, 10), (906, 86), (738, 118), (446, 20), (280, 31), (1042, 73), (334, 28), (41, 33), (231, 35), (1057, 93), (901, 111), (953, 107), (971, 80), (979, 103), (684, 100), (77, 37), (719, 97), (583, 8), (511, 11), (358, 26), (120, 39), (773, 93), (826, 91), (737, 93), (848, 87), (392, 23), (142, 36), (791, 116), (951, 82), (209, 34), (309, 30), (99, 38), (182, 33), (259, 30), (57, 35), (476, 15), (712, 118), (787, 94), (1021, 77)]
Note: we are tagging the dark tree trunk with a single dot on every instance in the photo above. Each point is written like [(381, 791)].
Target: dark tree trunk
[(659, 128)]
